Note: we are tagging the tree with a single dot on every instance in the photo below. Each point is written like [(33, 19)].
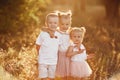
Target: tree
[(16, 15), (112, 8)]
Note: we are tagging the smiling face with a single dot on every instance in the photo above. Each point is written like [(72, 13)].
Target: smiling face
[(64, 20), (64, 24), (52, 23)]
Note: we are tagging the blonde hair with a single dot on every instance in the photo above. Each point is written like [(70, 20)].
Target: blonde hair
[(82, 30), (65, 15), (53, 14)]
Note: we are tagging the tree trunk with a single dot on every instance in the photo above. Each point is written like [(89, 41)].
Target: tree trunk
[(112, 9)]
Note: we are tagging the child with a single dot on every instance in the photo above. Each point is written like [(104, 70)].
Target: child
[(63, 70), (79, 66), (47, 48)]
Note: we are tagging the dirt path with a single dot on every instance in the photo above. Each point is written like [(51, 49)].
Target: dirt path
[(5, 76)]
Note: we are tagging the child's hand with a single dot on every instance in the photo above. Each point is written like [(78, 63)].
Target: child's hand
[(77, 46), (91, 56), (46, 29), (81, 50)]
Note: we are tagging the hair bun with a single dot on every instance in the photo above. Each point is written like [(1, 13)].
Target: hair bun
[(83, 29)]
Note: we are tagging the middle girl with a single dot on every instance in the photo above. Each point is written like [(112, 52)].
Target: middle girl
[(63, 65)]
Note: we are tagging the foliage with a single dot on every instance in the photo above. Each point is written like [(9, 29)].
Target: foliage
[(17, 15), (18, 54)]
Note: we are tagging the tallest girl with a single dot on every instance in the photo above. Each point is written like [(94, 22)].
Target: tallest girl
[(63, 64)]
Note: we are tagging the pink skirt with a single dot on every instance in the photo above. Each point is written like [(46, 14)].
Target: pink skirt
[(63, 65), (80, 69)]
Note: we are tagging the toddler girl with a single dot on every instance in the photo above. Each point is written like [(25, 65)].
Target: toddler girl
[(76, 51)]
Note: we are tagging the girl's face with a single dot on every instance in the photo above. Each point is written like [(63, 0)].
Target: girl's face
[(76, 37), (52, 23), (64, 24)]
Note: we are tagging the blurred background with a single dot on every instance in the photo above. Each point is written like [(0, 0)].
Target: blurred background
[(20, 23)]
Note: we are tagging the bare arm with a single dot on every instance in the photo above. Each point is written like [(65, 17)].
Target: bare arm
[(70, 51), (37, 48), (92, 55), (51, 33)]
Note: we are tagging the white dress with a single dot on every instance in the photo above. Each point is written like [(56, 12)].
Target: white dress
[(79, 66)]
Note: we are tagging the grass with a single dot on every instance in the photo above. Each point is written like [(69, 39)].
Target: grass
[(18, 57)]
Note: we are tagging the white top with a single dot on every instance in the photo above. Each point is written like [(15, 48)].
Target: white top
[(64, 42), (79, 57), (48, 48)]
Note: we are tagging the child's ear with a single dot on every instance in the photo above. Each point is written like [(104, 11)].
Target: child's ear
[(83, 29), (44, 28)]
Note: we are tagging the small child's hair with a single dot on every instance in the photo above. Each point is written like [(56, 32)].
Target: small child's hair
[(77, 29), (65, 15)]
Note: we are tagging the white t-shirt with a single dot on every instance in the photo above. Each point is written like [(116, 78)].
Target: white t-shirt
[(48, 48), (64, 42), (79, 57)]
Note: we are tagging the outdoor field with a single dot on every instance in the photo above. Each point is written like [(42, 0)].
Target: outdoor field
[(21, 22)]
